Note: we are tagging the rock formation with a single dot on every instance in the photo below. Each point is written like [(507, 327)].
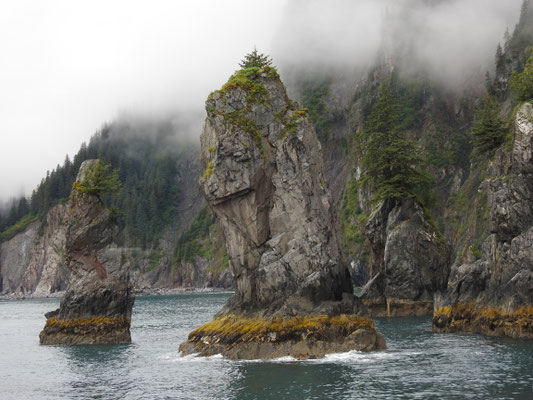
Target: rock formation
[(32, 262), (494, 295), (96, 308), (265, 182), (409, 260)]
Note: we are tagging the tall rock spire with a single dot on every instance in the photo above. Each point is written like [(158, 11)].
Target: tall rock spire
[(264, 180), (96, 308)]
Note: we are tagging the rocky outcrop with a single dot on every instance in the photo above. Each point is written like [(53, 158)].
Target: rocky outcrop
[(264, 181), (494, 295), (96, 308), (409, 260), (33, 261)]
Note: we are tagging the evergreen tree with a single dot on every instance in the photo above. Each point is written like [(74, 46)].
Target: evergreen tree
[(499, 60), (392, 164), (488, 131), (522, 83), (255, 59), (99, 180)]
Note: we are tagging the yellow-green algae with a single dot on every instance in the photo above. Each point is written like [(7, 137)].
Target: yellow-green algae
[(92, 321), (490, 321), (231, 329), (399, 308)]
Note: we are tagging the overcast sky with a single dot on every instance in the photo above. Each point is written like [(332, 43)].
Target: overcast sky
[(67, 66)]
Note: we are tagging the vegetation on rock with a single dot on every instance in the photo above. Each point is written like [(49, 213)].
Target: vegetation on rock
[(99, 180), (255, 59), (488, 130), (231, 329), (393, 165), (522, 83)]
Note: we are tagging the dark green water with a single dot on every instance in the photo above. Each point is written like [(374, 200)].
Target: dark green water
[(418, 364)]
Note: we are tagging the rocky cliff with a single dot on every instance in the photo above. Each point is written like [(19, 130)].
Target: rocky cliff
[(494, 295), (264, 181), (96, 308), (32, 262), (409, 260)]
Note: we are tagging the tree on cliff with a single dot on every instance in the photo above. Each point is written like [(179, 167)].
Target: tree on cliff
[(488, 130), (392, 165), (99, 180), (522, 83), (255, 59)]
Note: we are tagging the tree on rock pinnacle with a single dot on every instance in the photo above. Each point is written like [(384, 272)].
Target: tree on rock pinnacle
[(255, 59)]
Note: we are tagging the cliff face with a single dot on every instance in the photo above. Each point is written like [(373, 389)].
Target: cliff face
[(32, 262), (410, 260), (264, 181), (494, 295), (96, 307)]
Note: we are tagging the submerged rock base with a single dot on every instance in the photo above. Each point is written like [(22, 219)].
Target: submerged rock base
[(488, 321), (311, 336), (399, 308), (96, 330)]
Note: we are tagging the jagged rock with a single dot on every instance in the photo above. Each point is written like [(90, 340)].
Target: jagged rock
[(494, 295), (96, 308), (409, 260), (264, 181)]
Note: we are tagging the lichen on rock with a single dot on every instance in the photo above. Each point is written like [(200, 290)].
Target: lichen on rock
[(264, 181), (96, 308)]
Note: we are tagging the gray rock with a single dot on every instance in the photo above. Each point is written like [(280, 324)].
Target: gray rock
[(32, 262), (494, 295), (96, 308), (409, 260), (264, 181)]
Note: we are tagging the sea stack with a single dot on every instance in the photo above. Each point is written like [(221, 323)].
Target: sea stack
[(494, 295), (265, 183), (96, 308)]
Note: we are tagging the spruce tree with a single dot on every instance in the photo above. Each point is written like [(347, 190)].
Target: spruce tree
[(499, 60), (392, 164), (99, 180), (488, 130), (522, 83), (255, 59)]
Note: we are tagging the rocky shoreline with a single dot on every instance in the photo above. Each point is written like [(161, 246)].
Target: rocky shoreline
[(137, 292)]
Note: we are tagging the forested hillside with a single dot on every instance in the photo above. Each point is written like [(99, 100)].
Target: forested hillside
[(150, 160)]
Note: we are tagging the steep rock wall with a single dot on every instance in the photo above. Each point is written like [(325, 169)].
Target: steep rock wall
[(494, 295), (410, 260), (32, 262)]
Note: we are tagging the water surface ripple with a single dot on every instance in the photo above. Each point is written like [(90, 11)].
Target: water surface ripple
[(417, 365)]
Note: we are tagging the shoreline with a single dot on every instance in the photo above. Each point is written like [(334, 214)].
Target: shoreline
[(138, 292)]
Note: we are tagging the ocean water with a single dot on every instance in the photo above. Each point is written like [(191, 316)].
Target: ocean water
[(418, 364)]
